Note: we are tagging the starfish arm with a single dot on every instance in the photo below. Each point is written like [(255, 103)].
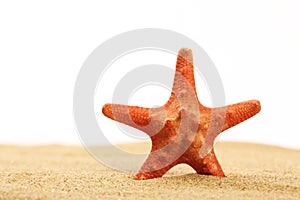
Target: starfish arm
[(156, 165), (134, 116), (144, 175), (239, 112), (208, 165), (184, 74)]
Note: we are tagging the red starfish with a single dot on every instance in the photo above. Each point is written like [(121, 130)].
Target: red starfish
[(182, 130)]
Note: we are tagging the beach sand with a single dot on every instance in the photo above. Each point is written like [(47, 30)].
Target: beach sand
[(69, 172)]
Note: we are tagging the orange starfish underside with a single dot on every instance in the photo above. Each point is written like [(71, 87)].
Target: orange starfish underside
[(183, 130)]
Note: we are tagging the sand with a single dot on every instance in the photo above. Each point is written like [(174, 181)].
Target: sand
[(69, 172)]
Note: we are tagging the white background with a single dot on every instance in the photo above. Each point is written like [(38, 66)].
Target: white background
[(255, 46)]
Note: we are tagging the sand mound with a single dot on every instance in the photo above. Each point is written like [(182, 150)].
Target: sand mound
[(69, 172)]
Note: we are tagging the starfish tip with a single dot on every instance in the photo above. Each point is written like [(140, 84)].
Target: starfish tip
[(187, 54), (255, 105), (107, 109)]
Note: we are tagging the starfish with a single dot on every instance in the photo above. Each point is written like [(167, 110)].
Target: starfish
[(182, 130)]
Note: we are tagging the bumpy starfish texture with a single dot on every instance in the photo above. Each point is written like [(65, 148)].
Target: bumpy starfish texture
[(183, 130)]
